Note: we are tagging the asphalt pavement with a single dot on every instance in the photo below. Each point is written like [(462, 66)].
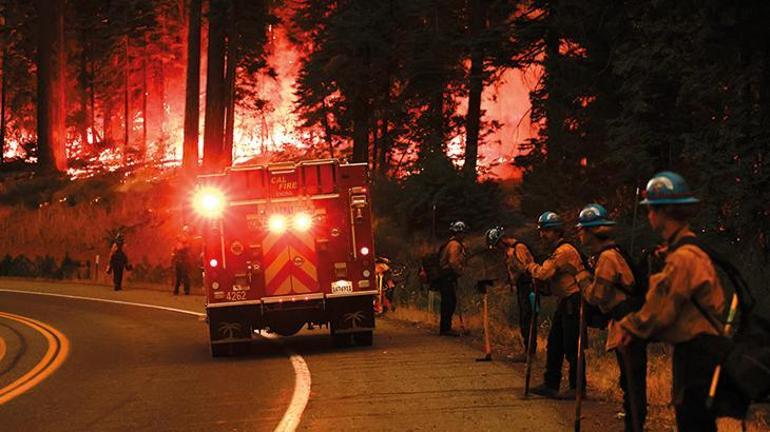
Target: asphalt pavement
[(136, 369)]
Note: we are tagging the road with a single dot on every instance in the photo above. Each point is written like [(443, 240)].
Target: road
[(130, 368)]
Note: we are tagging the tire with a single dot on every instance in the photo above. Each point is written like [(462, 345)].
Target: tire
[(234, 349), (287, 328), (364, 338)]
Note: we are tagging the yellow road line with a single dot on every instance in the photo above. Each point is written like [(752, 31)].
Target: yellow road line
[(302, 383), (58, 348)]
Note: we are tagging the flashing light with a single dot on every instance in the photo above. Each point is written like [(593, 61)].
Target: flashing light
[(302, 222), (364, 251), (209, 202), (213, 262), (277, 223)]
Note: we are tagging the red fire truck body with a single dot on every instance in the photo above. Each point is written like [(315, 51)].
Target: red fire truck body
[(286, 245)]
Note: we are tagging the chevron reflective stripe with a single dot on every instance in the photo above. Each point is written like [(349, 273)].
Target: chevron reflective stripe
[(290, 261)]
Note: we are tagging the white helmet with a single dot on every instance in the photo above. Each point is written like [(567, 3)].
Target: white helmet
[(458, 227)]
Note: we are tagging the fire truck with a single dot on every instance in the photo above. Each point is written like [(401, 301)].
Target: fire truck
[(287, 245)]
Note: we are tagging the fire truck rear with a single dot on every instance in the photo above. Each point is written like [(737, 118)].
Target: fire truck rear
[(287, 245)]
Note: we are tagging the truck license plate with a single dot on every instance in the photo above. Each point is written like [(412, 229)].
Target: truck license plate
[(342, 286)]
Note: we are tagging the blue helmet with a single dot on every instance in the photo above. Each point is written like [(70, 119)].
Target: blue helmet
[(668, 187), (493, 236), (458, 227), (549, 220), (594, 215)]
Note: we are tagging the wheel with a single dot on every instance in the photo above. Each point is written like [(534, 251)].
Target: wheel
[(287, 328), (364, 338), (230, 349)]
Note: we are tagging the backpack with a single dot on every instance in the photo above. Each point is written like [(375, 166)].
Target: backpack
[(525, 280), (594, 317), (430, 267), (635, 297), (745, 357)]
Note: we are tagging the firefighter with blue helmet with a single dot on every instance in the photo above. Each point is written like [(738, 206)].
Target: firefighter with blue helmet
[(613, 288), (452, 256), (679, 301), (549, 220), (556, 276), (519, 280)]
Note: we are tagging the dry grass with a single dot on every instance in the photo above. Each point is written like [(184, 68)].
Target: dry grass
[(149, 212)]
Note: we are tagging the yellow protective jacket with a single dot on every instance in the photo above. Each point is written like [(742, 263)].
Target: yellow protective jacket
[(516, 252), (558, 271), (669, 313), (453, 256), (608, 287)]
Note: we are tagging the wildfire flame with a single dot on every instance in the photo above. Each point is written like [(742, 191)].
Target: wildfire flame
[(275, 127)]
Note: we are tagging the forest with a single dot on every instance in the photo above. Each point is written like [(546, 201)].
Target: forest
[(617, 91)]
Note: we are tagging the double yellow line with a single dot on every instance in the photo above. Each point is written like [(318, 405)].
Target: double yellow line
[(58, 348)]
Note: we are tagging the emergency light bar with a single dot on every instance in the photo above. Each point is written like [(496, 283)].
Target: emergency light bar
[(302, 222), (209, 202), (278, 223)]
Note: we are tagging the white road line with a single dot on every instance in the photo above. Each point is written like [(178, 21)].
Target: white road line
[(301, 396), (290, 420)]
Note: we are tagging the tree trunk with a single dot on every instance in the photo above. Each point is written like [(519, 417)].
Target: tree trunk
[(83, 93), (107, 120), (385, 146), (161, 85), (435, 121), (227, 152), (360, 130), (92, 102), (145, 91), (3, 71), (328, 130), (475, 88), (192, 91), (52, 156), (127, 120), (213, 132), (435, 139)]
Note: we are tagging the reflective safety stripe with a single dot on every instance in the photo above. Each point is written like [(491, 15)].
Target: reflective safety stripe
[(290, 263)]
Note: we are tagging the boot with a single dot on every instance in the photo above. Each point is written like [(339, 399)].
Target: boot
[(545, 391)]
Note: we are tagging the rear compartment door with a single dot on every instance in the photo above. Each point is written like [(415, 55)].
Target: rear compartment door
[(290, 263)]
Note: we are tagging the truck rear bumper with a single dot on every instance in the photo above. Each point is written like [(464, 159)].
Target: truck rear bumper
[(345, 313), (297, 298)]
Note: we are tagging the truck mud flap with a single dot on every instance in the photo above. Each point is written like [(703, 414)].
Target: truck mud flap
[(351, 314), (228, 325)]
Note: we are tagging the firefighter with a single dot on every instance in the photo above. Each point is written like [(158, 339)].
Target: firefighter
[(519, 281), (678, 299), (385, 285), (452, 264), (180, 259), (557, 274), (117, 263), (614, 290)]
